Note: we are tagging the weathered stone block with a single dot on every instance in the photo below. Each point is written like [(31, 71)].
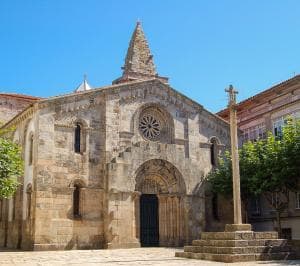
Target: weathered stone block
[(237, 227)]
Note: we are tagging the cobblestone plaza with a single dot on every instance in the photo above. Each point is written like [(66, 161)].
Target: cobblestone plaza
[(137, 256)]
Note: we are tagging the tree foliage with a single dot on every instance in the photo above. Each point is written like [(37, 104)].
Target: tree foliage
[(268, 167), (11, 167)]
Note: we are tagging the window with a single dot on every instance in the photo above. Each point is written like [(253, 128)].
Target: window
[(279, 123), (297, 200), (28, 194), (212, 154), (30, 150), (150, 127), (255, 209), (277, 127), (76, 201), (213, 151), (77, 138), (275, 199), (254, 133)]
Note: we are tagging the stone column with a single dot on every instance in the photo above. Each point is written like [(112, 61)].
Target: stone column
[(177, 219), (162, 199), (136, 195), (235, 156)]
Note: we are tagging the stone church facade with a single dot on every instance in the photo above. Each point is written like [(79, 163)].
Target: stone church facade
[(118, 166)]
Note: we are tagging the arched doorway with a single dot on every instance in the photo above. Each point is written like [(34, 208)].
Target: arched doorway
[(160, 208)]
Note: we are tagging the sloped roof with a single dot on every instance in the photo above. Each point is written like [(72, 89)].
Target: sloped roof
[(262, 94), (20, 96), (84, 86), (124, 86)]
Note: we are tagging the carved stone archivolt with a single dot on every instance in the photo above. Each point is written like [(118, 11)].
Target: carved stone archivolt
[(159, 176)]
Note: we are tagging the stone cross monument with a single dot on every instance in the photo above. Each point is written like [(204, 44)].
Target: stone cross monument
[(234, 155), (238, 243)]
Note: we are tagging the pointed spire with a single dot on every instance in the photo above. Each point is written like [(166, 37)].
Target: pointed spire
[(139, 64), (84, 86), (138, 58)]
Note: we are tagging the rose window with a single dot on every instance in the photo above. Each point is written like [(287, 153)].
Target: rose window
[(150, 127)]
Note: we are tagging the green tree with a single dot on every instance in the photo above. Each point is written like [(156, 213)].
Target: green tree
[(11, 167), (269, 167)]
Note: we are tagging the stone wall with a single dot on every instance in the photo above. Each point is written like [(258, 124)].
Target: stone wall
[(60, 168), (189, 152)]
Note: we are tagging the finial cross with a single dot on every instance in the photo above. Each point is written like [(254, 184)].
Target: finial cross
[(231, 95)]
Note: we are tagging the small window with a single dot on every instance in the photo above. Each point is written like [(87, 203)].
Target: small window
[(77, 138), (255, 206), (76, 201), (30, 150), (213, 152), (275, 199), (297, 200)]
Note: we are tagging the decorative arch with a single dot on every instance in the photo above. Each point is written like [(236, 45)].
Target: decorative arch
[(154, 114), (77, 182), (159, 176), (80, 121)]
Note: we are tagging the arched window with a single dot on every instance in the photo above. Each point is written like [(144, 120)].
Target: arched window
[(28, 194), (30, 150), (213, 152), (76, 201), (77, 138)]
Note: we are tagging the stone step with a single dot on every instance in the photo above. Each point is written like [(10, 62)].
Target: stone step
[(237, 257), (237, 250), (240, 243), (239, 235)]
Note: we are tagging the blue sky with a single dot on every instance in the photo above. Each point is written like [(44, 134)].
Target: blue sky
[(46, 46)]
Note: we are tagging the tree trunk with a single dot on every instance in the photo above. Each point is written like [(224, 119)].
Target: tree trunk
[(278, 219), (245, 203)]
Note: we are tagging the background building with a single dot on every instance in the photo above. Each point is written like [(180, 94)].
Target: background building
[(263, 112), (12, 104)]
